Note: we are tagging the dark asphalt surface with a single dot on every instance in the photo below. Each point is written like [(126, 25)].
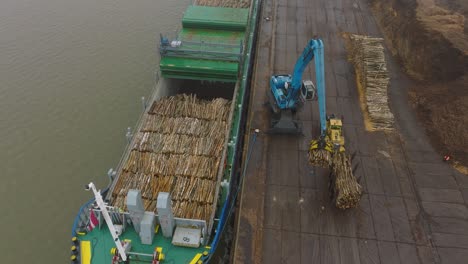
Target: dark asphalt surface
[(414, 206)]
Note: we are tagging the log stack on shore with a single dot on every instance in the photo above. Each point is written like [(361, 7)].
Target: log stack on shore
[(367, 55), (178, 151)]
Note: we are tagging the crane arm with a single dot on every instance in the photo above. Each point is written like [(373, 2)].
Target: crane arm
[(314, 49), (289, 92)]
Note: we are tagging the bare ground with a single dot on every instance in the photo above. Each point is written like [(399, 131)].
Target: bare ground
[(430, 37)]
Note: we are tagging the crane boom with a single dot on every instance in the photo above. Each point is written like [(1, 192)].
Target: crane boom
[(314, 49), (289, 92), (107, 218)]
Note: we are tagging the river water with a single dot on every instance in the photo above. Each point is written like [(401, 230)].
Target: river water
[(71, 77)]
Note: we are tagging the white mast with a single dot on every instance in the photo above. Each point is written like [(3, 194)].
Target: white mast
[(105, 213)]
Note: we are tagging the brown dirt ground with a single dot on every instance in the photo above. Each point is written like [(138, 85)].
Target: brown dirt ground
[(430, 37)]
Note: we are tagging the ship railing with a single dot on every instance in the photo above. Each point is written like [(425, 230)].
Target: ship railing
[(83, 213), (117, 215), (139, 123), (82, 218), (246, 69), (131, 140), (200, 50)]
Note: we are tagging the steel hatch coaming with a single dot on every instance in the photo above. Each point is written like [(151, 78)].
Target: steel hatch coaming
[(187, 68)]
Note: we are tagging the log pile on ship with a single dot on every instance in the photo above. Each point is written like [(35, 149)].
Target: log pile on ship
[(178, 151)]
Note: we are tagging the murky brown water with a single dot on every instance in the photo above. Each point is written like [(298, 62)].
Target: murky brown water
[(71, 77)]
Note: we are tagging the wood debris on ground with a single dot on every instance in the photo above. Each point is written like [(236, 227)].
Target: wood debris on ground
[(178, 151), (224, 3), (367, 55)]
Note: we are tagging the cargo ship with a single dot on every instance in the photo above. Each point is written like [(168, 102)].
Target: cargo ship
[(172, 193)]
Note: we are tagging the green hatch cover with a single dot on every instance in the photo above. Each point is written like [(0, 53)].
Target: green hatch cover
[(186, 68), (209, 45), (234, 19)]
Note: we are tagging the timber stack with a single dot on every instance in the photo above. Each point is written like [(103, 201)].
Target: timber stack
[(177, 151), (367, 55)]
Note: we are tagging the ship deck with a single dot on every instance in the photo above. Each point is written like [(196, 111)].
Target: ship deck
[(414, 206), (102, 242)]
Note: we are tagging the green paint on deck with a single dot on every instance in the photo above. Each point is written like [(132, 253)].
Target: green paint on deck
[(102, 242)]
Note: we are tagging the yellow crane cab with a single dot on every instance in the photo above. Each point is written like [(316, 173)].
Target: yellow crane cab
[(334, 131)]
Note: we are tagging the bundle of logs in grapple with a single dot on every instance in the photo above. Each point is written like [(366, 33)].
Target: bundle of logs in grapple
[(178, 151), (345, 189), (224, 3), (367, 55)]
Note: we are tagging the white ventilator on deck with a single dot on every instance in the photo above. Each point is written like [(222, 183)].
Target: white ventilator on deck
[(143, 222), (166, 217), (135, 208), (147, 226), (110, 225)]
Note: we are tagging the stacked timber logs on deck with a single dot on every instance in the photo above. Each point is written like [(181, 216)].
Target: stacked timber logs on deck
[(367, 55), (224, 3), (347, 190), (178, 151)]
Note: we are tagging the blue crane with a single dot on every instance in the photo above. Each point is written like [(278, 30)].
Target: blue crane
[(288, 93)]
